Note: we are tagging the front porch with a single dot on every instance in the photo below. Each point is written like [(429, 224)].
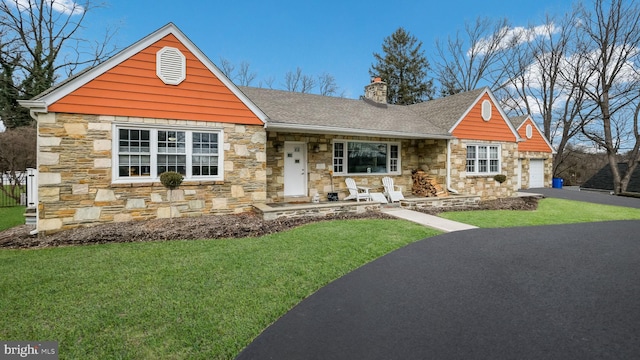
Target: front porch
[(331, 208)]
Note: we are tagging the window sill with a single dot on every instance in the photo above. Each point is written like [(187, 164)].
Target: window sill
[(120, 184), (482, 175)]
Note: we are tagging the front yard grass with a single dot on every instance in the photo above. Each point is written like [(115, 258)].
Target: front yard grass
[(11, 216), (199, 299), (550, 211)]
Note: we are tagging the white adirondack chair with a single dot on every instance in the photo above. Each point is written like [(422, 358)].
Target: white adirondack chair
[(356, 192), (390, 190)]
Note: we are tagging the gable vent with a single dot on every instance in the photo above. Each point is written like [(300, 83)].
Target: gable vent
[(529, 131), (486, 110), (170, 65)]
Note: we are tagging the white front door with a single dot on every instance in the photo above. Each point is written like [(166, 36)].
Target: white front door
[(295, 169), (536, 173)]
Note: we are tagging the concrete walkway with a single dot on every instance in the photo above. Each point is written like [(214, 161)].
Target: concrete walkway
[(428, 220)]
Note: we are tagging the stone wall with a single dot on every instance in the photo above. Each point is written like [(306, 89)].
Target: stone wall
[(484, 185), (453, 201), (75, 187), (429, 155), (324, 210)]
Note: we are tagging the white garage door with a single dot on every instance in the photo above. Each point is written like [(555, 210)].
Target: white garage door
[(536, 173)]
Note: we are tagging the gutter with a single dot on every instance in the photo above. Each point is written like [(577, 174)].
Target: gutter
[(35, 107), (315, 129)]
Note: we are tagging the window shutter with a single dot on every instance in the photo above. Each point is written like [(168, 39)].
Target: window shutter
[(170, 65)]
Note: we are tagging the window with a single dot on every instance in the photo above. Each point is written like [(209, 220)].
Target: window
[(483, 159), (358, 157), (143, 154)]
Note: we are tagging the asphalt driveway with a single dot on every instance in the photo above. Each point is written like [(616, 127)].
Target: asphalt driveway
[(588, 196), (548, 292)]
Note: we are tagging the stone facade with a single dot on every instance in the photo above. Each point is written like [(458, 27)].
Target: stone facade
[(526, 157), (429, 155), (484, 185), (75, 174)]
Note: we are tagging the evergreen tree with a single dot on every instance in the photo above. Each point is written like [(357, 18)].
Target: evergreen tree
[(403, 66)]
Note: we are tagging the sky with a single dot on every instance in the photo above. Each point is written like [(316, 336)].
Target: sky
[(329, 36)]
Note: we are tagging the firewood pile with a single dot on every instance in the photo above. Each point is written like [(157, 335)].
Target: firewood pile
[(425, 185)]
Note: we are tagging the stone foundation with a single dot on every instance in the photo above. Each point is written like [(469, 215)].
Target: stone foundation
[(453, 201), (316, 210)]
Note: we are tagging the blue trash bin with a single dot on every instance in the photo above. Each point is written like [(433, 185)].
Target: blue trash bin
[(556, 183)]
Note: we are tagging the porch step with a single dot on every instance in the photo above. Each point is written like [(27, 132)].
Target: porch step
[(30, 216)]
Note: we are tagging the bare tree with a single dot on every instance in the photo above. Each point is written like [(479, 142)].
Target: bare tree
[(245, 76), (480, 55), (44, 37), (292, 80), (227, 67), (17, 153), (327, 84), (298, 82), (544, 83), (608, 48), (268, 82)]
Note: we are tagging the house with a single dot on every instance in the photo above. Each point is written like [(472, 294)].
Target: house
[(603, 179), (106, 134), (535, 161)]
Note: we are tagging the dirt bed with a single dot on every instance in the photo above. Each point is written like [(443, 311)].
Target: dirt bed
[(202, 227)]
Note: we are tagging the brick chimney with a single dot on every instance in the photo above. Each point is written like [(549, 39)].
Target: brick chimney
[(376, 91)]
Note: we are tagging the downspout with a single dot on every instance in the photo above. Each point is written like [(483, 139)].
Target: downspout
[(449, 168), (35, 108)]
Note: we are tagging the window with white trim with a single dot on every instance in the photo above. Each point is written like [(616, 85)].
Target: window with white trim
[(361, 157), (142, 154), (483, 159)]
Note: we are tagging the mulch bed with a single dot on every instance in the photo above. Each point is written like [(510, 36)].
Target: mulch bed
[(202, 227)]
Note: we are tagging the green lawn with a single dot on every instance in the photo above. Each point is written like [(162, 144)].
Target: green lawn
[(11, 216), (6, 200), (204, 299), (550, 211)]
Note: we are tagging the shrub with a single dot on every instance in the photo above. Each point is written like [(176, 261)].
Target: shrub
[(500, 178), (171, 179)]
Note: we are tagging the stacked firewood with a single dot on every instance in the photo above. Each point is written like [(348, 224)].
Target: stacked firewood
[(425, 185)]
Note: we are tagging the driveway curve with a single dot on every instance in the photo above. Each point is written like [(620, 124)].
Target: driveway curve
[(546, 292)]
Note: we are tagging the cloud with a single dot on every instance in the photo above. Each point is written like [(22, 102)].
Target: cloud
[(68, 7), (508, 37)]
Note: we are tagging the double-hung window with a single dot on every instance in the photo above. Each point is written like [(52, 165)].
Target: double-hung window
[(142, 154), (360, 157), (483, 159)]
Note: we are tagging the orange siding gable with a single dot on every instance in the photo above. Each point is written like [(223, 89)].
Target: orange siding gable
[(536, 143), (132, 88), (475, 128)]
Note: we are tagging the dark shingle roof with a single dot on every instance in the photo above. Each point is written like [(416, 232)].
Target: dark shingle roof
[(308, 110), (603, 179), (518, 120), (445, 112)]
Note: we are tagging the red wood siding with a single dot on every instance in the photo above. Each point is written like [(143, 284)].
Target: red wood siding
[(475, 128), (133, 89), (536, 143)]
